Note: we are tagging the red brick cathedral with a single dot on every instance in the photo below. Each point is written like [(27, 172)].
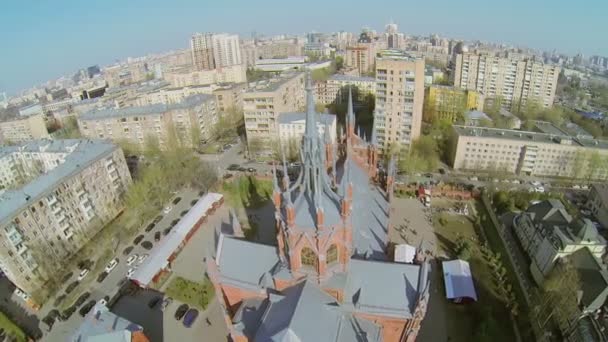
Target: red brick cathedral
[(329, 277)]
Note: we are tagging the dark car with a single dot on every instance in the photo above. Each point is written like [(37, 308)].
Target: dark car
[(83, 298), (183, 213), (166, 231), (138, 239), (157, 219), (154, 302), (59, 300), (193, 202), (127, 250), (181, 311), (174, 222), (176, 200), (150, 227), (102, 276), (190, 317), (242, 169), (49, 321), (147, 245), (71, 287), (201, 193), (86, 308), (157, 236), (67, 277), (67, 313), (233, 167)]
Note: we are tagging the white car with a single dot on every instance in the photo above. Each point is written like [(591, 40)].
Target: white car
[(130, 272), (576, 187), (111, 265), (21, 294), (535, 183), (167, 209), (585, 187), (131, 259), (142, 258), (83, 274), (539, 189)]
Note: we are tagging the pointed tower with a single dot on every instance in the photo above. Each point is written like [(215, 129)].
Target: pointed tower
[(350, 116)]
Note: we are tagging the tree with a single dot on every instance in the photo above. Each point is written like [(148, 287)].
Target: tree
[(422, 157), (229, 125), (463, 248), (255, 146), (339, 62), (195, 136)]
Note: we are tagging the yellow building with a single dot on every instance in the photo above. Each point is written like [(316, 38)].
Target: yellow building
[(450, 103)]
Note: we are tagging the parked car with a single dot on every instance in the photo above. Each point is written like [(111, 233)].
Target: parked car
[(111, 265), (181, 311), (157, 219), (193, 202), (131, 259), (167, 209), (83, 274), (59, 300), (130, 272), (183, 213), (233, 167), (176, 200), (67, 277), (127, 251), (67, 313), (147, 245), (87, 307), (83, 298), (174, 222), (102, 276), (150, 227), (21, 294), (154, 302), (138, 239), (190, 317), (242, 169), (71, 287), (157, 236), (142, 258), (166, 302)]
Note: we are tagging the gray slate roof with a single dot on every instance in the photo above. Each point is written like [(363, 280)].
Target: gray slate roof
[(593, 278), (100, 321)]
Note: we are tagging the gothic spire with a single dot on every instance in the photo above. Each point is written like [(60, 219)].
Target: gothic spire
[(350, 114), (311, 120)]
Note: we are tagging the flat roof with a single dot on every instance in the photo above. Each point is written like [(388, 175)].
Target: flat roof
[(273, 83), (547, 127), (157, 108), (396, 54), (85, 153), (160, 254)]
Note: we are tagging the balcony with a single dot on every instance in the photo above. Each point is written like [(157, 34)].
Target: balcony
[(56, 209)]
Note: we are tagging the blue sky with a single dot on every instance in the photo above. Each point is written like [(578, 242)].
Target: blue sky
[(43, 39)]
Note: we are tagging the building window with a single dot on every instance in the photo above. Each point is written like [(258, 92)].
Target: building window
[(308, 257), (332, 254)]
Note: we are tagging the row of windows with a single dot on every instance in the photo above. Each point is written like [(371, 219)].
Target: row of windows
[(309, 258)]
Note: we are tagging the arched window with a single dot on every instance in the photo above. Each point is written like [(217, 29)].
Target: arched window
[(308, 257), (332, 254)]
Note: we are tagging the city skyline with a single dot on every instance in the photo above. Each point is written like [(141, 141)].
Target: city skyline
[(74, 35)]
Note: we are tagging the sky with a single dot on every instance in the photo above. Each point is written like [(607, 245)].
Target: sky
[(44, 39)]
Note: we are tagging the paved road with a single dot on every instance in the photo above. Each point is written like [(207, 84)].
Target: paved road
[(63, 330)]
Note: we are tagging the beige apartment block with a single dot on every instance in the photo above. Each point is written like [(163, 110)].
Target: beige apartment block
[(192, 119), (184, 77), (265, 100), (515, 80), (23, 128), (399, 98), (215, 50), (333, 88), (528, 153), (229, 96), (75, 190), (361, 57)]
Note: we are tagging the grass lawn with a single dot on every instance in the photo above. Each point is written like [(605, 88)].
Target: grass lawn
[(486, 317), (10, 328), (247, 192), (189, 292)]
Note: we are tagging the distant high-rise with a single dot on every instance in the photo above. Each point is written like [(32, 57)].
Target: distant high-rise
[(215, 50), (393, 37), (399, 98)]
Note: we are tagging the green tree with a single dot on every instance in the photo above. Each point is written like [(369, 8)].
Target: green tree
[(558, 299), (195, 136), (255, 146), (339, 62)]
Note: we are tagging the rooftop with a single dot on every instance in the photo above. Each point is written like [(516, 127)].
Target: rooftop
[(350, 78), (102, 325), (85, 153), (547, 127), (322, 118), (273, 84), (158, 108), (396, 55)]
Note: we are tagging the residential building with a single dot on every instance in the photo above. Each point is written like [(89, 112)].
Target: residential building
[(326, 279), (229, 96), (476, 118), (171, 95), (266, 99), (280, 64), (33, 109), (120, 75), (23, 128), (450, 103), (292, 126), (333, 89), (528, 153), (597, 202), (361, 57), (190, 121), (215, 50), (75, 190), (280, 48), (547, 232), (515, 122), (184, 77), (399, 98), (100, 324), (515, 80)]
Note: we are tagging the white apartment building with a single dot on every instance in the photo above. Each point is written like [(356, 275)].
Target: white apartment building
[(193, 118), (215, 50), (23, 128), (528, 153), (76, 189), (185, 77), (266, 99), (399, 98), (515, 80), (292, 126)]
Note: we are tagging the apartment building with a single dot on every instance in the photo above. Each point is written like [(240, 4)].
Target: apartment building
[(171, 95), (513, 79), (23, 128), (265, 100), (597, 202), (193, 118), (399, 98), (450, 103), (361, 57), (332, 89), (75, 190), (528, 153), (229, 96), (215, 50), (293, 125), (184, 77)]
